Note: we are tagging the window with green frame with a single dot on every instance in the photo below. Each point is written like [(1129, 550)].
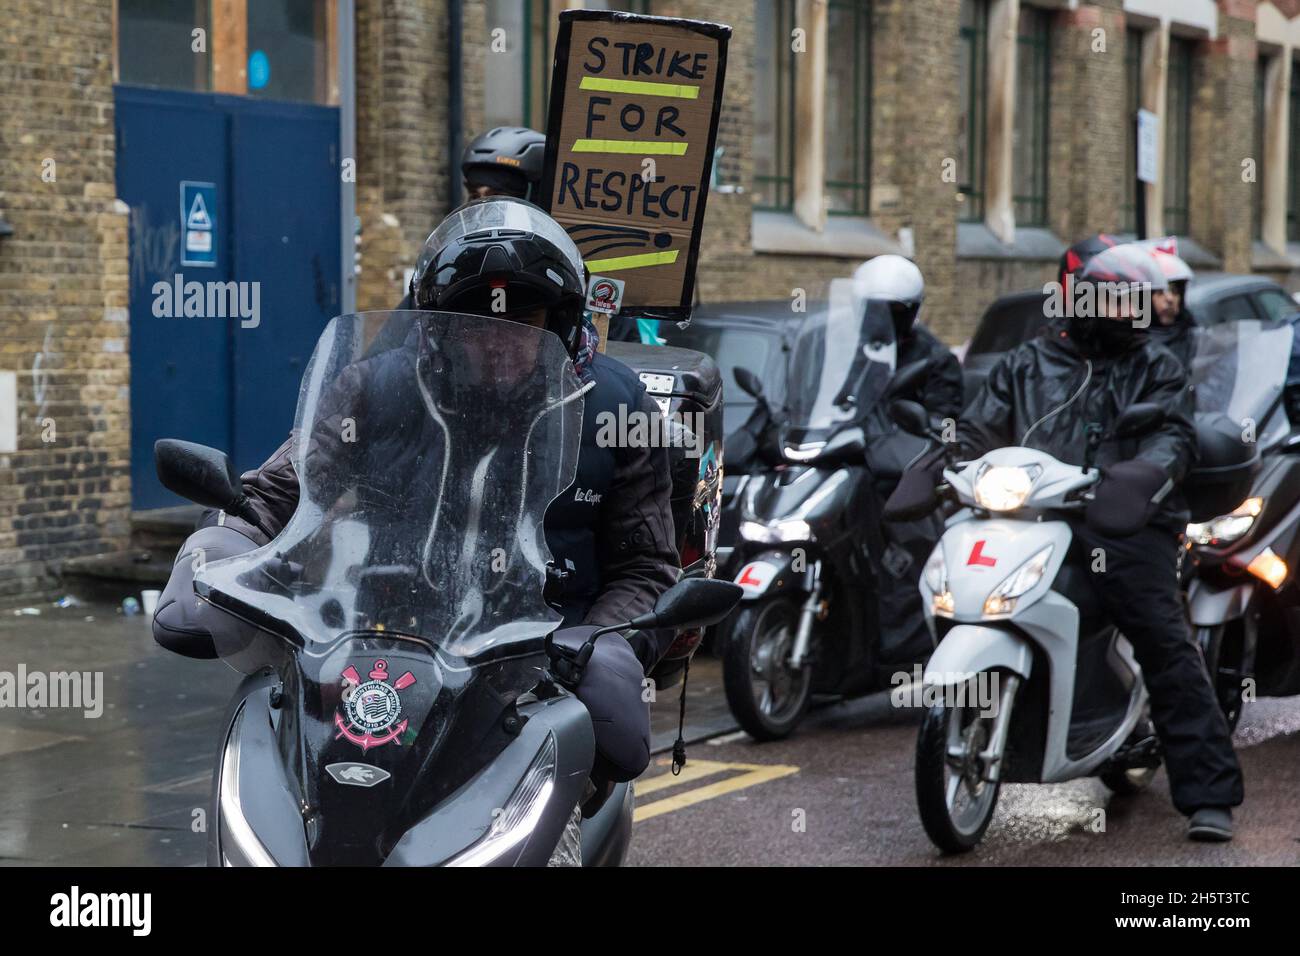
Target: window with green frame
[(973, 100), (154, 44), (848, 108), (505, 80), (1133, 94), (1029, 137), (1178, 124), (773, 105), (1293, 160)]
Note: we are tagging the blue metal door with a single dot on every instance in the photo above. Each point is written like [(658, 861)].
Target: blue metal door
[(226, 374), (285, 175)]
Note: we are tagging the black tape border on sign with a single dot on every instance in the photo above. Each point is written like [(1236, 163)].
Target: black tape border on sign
[(559, 73)]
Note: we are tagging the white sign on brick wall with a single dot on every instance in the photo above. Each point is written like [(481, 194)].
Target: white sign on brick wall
[(8, 411), (1148, 144)]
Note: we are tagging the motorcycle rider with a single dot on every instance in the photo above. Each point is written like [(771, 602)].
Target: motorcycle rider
[(1045, 394), (898, 281), (508, 161), (902, 547), (1174, 327), (611, 534), (504, 161)]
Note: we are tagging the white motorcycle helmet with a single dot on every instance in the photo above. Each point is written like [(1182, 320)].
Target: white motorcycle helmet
[(896, 280)]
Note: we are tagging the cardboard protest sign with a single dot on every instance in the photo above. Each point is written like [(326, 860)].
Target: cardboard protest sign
[(629, 148)]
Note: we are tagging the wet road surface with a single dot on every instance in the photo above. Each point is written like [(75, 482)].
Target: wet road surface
[(846, 798), (131, 786)]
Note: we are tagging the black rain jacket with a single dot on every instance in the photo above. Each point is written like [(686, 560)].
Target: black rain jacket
[(1050, 381)]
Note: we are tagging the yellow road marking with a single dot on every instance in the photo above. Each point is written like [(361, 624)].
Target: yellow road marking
[(632, 262), (694, 770), (648, 147), (679, 90), (754, 774)]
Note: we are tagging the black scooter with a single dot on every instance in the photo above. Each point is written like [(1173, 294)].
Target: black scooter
[(809, 540), (404, 704), (1243, 544)]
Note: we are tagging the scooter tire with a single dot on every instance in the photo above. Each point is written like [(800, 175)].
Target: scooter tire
[(738, 669), (1231, 696), (931, 785)]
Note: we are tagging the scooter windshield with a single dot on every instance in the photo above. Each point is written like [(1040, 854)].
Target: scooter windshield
[(427, 447), (1239, 371), (402, 605), (841, 362)]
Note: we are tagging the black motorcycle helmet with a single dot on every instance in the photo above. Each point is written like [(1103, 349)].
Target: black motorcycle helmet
[(503, 258), (1074, 259), (1123, 277), (505, 161)]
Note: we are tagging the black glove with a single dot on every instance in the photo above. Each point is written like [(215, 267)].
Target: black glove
[(182, 623), (612, 691), (1126, 497), (914, 497)]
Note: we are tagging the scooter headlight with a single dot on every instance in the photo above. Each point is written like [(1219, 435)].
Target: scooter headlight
[(513, 823), (1005, 487), (1228, 528), (1022, 580), (936, 579), (238, 838)]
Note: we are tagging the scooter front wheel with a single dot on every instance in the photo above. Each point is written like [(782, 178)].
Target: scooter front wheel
[(955, 800), (1224, 654), (766, 695)]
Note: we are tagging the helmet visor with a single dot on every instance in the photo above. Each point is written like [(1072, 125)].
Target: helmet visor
[(500, 212), (1128, 264)]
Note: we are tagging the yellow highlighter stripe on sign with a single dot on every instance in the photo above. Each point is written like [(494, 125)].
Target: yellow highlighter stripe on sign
[(643, 87), (632, 262), (640, 147)]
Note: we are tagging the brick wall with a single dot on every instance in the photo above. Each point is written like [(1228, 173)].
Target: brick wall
[(1089, 119), (914, 62), (402, 184), (1222, 136), (63, 295)]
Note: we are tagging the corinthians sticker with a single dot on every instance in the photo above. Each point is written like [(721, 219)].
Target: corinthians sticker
[(371, 710)]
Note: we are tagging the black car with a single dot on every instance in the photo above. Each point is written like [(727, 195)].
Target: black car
[(752, 335), (1217, 297)]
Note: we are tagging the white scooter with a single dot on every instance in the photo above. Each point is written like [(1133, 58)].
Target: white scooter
[(1029, 682)]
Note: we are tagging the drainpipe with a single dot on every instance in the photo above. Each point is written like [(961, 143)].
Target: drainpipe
[(348, 227), (455, 100)]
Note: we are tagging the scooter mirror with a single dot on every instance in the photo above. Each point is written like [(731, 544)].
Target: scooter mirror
[(1139, 419), (203, 475), (692, 602), (748, 381), (911, 417)]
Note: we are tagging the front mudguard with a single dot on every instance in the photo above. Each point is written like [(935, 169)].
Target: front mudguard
[(607, 833), (969, 649), (1210, 606), (773, 573)]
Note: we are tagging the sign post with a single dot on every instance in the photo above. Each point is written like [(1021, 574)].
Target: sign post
[(631, 132)]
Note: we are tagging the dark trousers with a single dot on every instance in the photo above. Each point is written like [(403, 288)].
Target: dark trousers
[(1139, 590)]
